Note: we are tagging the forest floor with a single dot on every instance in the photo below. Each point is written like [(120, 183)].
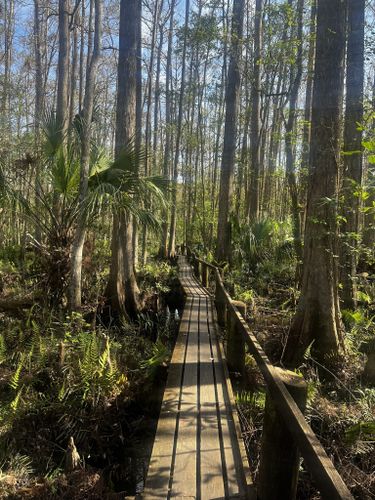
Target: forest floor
[(341, 412), (62, 377)]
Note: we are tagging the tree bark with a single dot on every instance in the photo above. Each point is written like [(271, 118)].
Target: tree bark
[(168, 133), (352, 181), (255, 139), (172, 228), (122, 291), (232, 98), (63, 70), (39, 102), (88, 106), (289, 138), (317, 319)]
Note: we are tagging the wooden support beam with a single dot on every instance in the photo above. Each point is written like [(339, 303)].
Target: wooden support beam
[(235, 341), (279, 457), (204, 273)]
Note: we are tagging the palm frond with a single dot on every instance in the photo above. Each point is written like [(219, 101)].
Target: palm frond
[(51, 132)]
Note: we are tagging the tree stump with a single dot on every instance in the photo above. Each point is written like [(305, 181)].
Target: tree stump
[(72, 458)]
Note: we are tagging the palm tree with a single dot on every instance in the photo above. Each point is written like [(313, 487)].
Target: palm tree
[(56, 207)]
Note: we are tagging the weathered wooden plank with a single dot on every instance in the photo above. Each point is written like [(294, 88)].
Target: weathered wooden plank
[(185, 461), (211, 465), (158, 477), (237, 467), (196, 453), (192, 287)]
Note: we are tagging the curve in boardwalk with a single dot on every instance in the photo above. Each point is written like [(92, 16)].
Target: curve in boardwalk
[(197, 452)]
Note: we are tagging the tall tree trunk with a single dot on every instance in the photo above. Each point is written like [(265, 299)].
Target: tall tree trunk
[(148, 135), (255, 139), (352, 149), (368, 238), (63, 70), (168, 133), (289, 138), (307, 115), (75, 296), (317, 319), (172, 229), (9, 26), (73, 76), (232, 98), (39, 102), (122, 291), (81, 57), (138, 131)]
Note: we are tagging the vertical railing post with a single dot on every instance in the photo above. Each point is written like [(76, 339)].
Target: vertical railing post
[(220, 302), (279, 456), (204, 275), (235, 340), (196, 267)]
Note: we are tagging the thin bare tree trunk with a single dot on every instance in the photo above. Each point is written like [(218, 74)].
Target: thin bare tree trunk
[(39, 102), (168, 133), (289, 139), (352, 182), (75, 296), (232, 98), (172, 230), (255, 138)]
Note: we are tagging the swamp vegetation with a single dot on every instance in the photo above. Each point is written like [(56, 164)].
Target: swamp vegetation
[(243, 129)]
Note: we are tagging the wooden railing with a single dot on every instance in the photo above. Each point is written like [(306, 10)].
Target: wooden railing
[(286, 433)]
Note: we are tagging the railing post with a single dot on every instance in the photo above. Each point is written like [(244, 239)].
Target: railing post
[(196, 267), (204, 275), (235, 340), (220, 303), (279, 456)]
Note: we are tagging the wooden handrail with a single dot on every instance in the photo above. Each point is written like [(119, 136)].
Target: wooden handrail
[(328, 480)]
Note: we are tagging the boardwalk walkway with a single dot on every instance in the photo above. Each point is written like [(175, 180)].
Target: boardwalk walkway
[(198, 452)]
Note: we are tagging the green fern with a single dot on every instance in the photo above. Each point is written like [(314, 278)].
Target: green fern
[(15, 378), (14, 404), (160, 355), (2, 349), (361, 431), (251, 399)]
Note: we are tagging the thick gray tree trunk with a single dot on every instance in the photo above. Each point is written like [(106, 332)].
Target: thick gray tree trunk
[(232, 98), (63, 70), (122, 291), (317, 319)]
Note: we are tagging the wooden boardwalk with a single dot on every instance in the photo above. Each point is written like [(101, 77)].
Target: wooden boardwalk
[(198, 451)]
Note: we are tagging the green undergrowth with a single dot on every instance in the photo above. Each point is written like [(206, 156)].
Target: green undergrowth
[(340, 406), (63, 378), (344, 426)]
